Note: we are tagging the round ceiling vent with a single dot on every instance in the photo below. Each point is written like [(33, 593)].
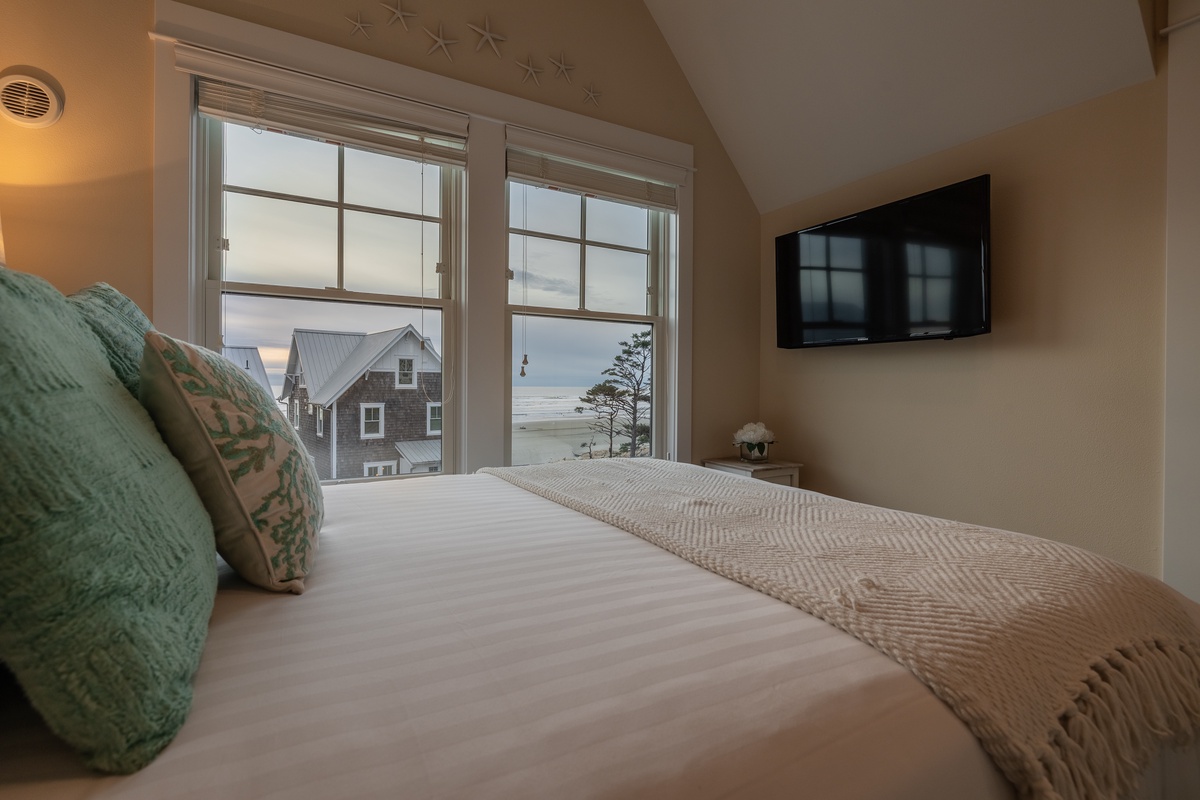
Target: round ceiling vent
[(29, 102)]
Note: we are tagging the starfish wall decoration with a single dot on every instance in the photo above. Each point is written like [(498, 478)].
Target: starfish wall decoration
[(561, 68), (360, 26), (486, 35), (530, 70), (399, 14), (440, 42)]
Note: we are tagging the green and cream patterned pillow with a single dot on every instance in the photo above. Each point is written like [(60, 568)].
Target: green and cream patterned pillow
[(249, 466)]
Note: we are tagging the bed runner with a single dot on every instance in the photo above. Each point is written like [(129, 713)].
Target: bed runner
[(1068, 667)]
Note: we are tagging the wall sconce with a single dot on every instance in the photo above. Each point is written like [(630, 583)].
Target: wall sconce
[(29, 102)]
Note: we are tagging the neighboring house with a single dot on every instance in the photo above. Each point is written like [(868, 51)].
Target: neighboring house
[(366, 404), (248, 358)]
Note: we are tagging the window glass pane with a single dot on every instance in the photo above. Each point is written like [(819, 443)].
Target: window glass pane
[(545, 272), (845, 252), (937, 293), (335, 334), (814, 294), (617, 223), (277, 162), (616, 281), (913, 254), (812, 250), (280, 242), (396, 184), (849, 302), (383, 254), (568, 359), (916, 299), (533, 208), (937, 261)]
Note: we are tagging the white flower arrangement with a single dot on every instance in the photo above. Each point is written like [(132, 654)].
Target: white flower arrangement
[(755, 436)]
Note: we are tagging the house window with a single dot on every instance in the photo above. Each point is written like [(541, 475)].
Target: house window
[(327, 242), (290, 196), (371, 420), (320, 421), (433, 419), (587, 269), (379, 469), (295, 408), (405, 376)]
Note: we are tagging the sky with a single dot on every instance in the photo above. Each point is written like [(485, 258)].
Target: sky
[(288, 243), (561, 352)]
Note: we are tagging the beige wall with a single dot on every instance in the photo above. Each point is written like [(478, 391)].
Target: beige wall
[(1050, 425), (76, 198)]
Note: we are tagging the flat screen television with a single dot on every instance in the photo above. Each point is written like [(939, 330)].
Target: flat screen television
[(914, 269)]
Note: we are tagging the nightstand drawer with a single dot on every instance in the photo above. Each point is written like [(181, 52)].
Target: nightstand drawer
[(785, 473)]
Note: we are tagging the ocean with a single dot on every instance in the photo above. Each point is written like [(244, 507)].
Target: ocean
[(546, 402)]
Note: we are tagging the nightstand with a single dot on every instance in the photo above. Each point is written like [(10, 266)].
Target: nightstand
[(786, 473)]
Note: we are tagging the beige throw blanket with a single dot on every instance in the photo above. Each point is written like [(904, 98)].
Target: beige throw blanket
[(1069, 668)]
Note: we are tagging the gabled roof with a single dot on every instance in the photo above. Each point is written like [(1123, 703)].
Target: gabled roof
[(334, 360), (249, 359)]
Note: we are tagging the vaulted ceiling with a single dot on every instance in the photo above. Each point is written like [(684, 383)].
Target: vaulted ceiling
[(808, 95)]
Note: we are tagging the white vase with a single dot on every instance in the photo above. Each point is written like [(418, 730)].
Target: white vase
[(753, 452)]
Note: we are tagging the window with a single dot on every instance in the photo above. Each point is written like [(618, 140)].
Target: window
[(226, 283), (379, 469), (320, 421), (433, 419), (326, 246), (586, 276), (295, 409), (371, 420), (405, 376), (930, 287)]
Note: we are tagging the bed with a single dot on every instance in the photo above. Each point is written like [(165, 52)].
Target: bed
[(463, 637)]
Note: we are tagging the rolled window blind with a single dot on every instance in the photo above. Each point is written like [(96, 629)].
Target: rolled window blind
[(260, 107), (547, 160)]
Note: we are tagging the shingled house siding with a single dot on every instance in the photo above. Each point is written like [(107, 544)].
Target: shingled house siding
[(318, 446), (403, 419)]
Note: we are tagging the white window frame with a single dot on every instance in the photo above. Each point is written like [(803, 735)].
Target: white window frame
[(362, 420), (477, 430), (429, 431), (379, 467), (412, 384), (320, 422)]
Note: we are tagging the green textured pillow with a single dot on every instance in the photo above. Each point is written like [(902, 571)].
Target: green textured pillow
[(107, 570), (248, 464), (119, 324)]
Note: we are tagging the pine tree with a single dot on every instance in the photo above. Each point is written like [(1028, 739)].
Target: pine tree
[(631, 373), (606, 400)]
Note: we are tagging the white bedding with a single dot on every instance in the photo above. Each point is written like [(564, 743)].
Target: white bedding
[(461, 638)]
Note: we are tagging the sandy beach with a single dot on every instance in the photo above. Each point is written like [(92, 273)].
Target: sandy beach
[(542, 440)]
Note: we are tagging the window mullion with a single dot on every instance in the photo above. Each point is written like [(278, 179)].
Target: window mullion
[(582, 253), (341, 219)]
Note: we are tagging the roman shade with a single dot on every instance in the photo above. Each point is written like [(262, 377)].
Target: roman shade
[(546, 160), (233, 89)]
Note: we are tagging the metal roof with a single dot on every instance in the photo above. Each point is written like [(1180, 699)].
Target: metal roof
[(249, 359), (333, 360), (421, 451)]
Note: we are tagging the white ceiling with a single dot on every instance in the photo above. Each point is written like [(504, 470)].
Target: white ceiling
[(808, 95)]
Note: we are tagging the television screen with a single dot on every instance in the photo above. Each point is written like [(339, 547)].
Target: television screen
[(909, 270)]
